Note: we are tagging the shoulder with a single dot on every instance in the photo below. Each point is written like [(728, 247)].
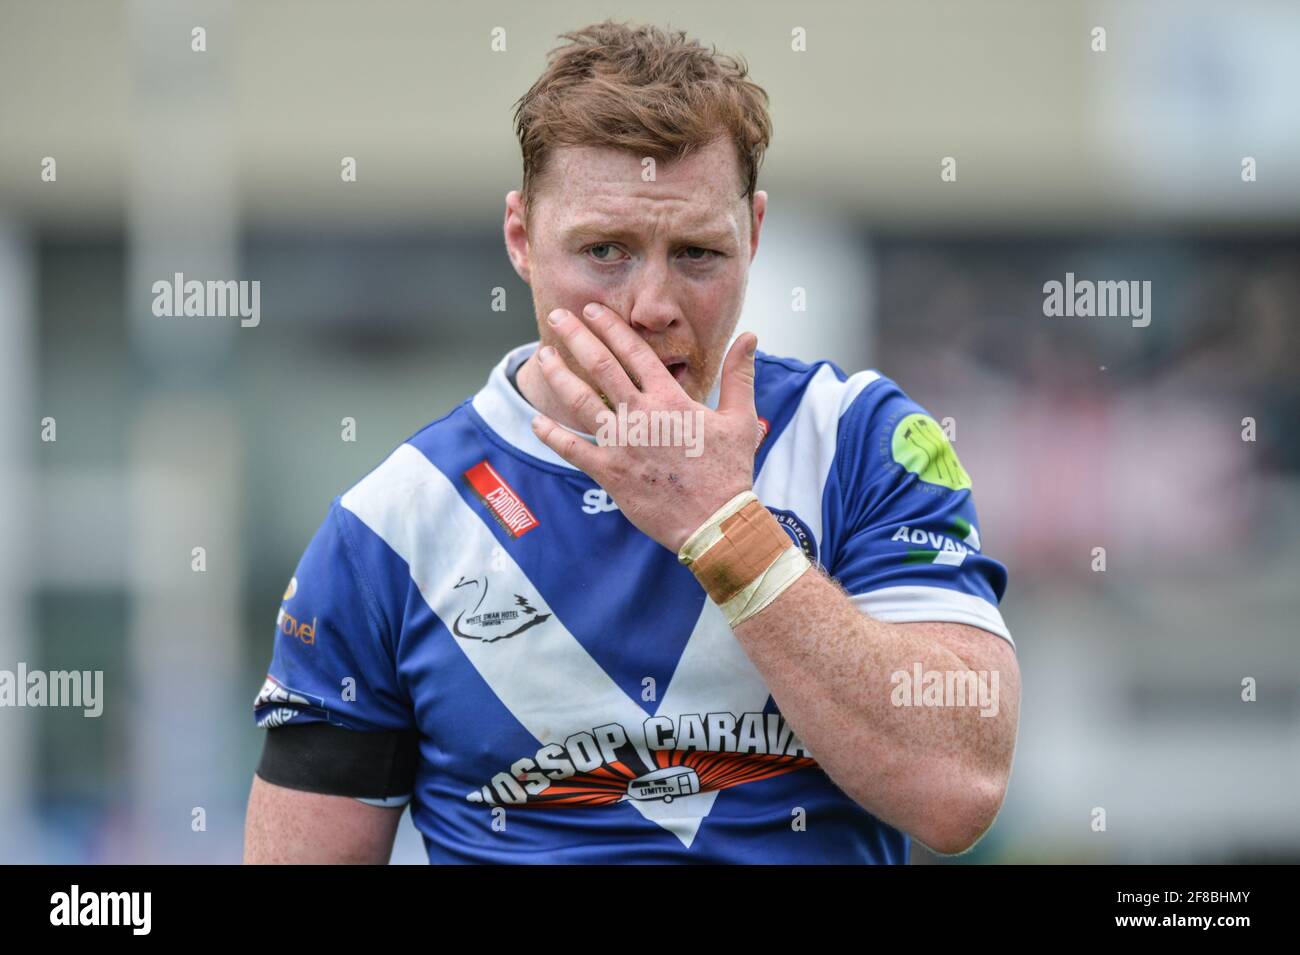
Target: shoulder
[(820, 396), (863, 428), (405, 472), (385, 519)]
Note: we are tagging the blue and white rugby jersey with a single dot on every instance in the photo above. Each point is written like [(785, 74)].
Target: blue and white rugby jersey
[(573, 694)]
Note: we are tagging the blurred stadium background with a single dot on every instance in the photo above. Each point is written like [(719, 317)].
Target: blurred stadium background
[(376, 305)]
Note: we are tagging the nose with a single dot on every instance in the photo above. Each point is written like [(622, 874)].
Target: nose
[(654, 307)]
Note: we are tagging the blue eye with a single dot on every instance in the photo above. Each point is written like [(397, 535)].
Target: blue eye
[(592, 250), (706, 255)]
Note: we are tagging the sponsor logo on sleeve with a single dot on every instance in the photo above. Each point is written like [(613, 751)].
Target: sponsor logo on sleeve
[(277, 704), (920, 446), (291, 626), (930, 547)]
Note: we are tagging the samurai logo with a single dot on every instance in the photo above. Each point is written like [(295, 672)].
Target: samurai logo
[(493, 625)]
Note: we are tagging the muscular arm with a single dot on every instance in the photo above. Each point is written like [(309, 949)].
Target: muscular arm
[(292, 826), (938, 773)]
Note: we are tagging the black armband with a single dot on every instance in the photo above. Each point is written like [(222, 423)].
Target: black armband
[(323, 758)]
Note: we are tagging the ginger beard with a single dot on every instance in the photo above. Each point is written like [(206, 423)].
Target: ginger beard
[(694, 366), (676, 250)]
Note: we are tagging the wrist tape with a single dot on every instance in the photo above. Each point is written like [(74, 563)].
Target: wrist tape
[(742, 558)]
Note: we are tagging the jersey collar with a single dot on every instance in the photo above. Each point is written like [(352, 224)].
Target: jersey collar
[(505, 411)]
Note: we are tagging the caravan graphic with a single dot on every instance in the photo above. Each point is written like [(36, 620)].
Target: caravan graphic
[(664, 784)]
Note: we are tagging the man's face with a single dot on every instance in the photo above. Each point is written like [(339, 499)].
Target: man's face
[(670, 256)]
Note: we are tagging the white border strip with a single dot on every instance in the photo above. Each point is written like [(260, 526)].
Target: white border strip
[(915, 604)]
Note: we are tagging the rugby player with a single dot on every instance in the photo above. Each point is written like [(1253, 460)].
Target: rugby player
[(558, 648)]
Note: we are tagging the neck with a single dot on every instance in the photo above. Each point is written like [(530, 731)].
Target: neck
[(532, 385)]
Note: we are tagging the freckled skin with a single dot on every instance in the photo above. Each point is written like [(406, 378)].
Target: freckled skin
[(642, 265), (940, 775)]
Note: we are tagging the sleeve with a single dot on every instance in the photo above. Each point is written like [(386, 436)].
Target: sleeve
[(909, 545), (337, 719)]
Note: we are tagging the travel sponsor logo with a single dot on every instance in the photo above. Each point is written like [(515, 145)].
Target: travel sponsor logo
[(691, 754), (75, 907), (938, 548), (58, 688), (291, 626), (501, 500), (492, 625), (799, 532), (277, 704)]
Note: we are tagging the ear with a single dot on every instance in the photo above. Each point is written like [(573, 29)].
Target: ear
[(516, 233), (756, 224)]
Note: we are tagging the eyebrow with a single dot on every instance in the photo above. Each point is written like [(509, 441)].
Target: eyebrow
[(608, 229)]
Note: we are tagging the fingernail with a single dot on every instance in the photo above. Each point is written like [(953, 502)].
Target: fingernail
[(547, 353), (555, 316), (753, 346), (591, 310)]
